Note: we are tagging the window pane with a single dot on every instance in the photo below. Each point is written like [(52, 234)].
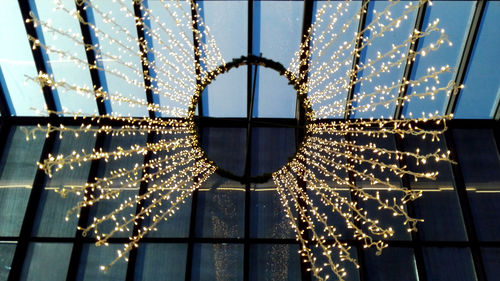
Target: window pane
[(161, 262), (17, 172), (16, 61), (439, 206), (394, 264), (93, 257), (491, 260), (6, 255), (63, 67), (382, 45), (47, 261), (447, 12), (267, 218), (328, 70), (448, 264), (115, 56), (478, 158), (482, 86), (54, 201), (271, 149), (127, 190), (274, 262), (226, 147), (277, 33), (227, 95), (221, 209), (221, 262)]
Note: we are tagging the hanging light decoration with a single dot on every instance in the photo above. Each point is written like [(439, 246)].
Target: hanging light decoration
[(330, 154)]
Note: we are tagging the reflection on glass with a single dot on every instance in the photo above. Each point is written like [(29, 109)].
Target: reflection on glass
[(6, 255), (63, 67), (221, 209), (217, 262), (394, 264), (447, 12), (438, 206), (93, 257), (477, 154), (161, 262), (17, 172), (267, 218), (16, 61), (46, 261), (443, 264), (274, 262), (482, 86), (55, 202)]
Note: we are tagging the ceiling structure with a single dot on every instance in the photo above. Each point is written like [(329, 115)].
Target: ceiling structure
[(269, 28)]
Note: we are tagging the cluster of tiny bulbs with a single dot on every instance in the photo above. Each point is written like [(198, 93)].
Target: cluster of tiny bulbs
[(332, 154)]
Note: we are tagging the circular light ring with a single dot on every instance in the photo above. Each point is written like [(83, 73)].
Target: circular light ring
[(293, 80)]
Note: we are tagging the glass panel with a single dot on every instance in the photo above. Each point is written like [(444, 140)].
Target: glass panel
[(227, 96), (114, 56), (171, 265), (491, 260), (221, 209), (46, 261), (267, 218), (63, 67), (478, 158), (6, 255), (447, 12), (271, 149), (382, 45), (482, 86), (128, 190), (56, 198), (448, 264), (16, 61), (328, 70), (173, 53), (439, 206), (277, 36), (274, 262), (226, 147), (394, 264), (17, 172), (221, 262), (94, 257)]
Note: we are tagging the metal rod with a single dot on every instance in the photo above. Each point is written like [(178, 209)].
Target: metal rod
[(466, 55), (409, 62)]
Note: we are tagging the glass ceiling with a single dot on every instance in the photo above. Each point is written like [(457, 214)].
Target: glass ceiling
[(270, 28)]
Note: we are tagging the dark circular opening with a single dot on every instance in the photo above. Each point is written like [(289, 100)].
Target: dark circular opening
[(245, 149)]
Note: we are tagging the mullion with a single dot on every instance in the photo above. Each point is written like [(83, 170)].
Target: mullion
[(98, 81), (355, 59), (38, 55), (466, 54), (419, 21)]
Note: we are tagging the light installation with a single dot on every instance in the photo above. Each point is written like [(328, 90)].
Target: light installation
[(186, 59)]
